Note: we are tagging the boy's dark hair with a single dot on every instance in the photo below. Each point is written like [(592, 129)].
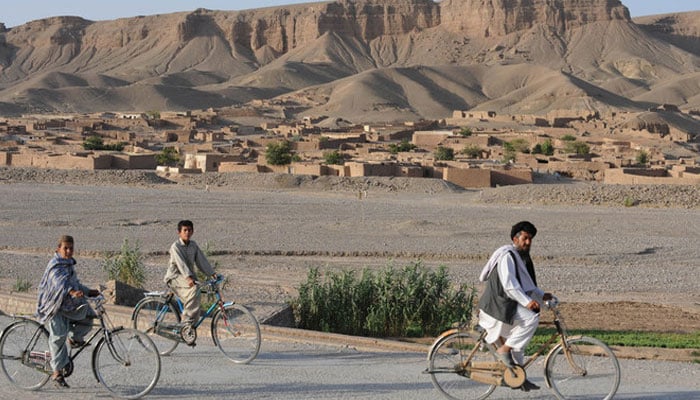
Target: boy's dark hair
[(65, 239), (185, 222)]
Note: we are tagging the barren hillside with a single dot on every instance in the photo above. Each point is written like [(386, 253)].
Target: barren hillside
[(359, 60)]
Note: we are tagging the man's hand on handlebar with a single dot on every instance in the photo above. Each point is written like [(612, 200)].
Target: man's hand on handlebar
[(533, 306)]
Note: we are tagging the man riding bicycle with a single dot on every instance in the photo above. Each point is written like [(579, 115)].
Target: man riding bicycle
[(509, 307)]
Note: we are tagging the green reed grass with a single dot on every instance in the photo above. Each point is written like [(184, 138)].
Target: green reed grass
[(412, 301)]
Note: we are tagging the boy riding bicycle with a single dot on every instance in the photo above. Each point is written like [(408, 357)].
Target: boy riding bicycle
[(180, 276)]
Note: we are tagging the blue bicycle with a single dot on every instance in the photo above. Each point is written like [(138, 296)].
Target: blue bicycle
[(234, 329)]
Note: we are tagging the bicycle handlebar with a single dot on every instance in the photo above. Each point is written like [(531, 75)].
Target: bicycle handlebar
[(210, 283), (552, 303)]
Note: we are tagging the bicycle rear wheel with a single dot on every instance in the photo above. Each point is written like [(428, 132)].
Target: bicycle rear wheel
[(448, 371), (593, 370), (127, 363), (25, 356), (144, 318), (236, 333)]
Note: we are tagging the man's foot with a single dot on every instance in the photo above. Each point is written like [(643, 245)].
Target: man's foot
[(59, 380), (506, 359), (527, 386), (74, 344)]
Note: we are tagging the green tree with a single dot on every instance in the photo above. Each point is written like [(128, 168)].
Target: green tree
[(405, 145), (278, 153), (547, 147), (642, 157), (472, 151), (444, 153), (509, 152), (465, 132), (93, 142), (333, 158), (578, 148), (168, 156)]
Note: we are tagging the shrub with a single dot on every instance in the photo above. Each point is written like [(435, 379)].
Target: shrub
[(472, 151), (545, 148), (465, 132), (126, 266), (444, 153), (579, 148), (278, 153), (95, 142), (630, 202), (568, 138), (168, 156), (509, 152), (22, 285), (333, 158), (519, 145), (411, 301), (405, 145)]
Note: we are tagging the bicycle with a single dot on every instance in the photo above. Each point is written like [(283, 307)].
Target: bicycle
[(125, 361), (234, 328), (463, 366)]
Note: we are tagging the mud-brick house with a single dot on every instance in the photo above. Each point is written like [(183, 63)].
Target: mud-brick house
[(179, 136), (677, 175), (430, 139), (42, 159), (133, 161), (387, 168), (474, 177), (209, 162)]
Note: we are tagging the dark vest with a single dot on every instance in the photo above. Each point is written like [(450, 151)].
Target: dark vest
[(494, 301)]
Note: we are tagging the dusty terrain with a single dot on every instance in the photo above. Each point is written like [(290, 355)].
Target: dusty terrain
[(614, 267)]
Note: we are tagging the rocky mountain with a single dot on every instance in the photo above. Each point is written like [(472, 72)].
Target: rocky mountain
[(358, 59)]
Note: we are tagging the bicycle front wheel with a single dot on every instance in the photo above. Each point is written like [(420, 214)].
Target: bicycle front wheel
[(236, 333), (144, 318), (591, 370), (127, 363), (450, 367), (25, 355)]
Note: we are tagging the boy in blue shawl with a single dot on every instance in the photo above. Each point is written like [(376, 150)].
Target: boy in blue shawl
[(62, 307)]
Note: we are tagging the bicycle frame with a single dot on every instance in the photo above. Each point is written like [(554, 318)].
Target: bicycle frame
[(102, 330), (560, 334), (171, 298)]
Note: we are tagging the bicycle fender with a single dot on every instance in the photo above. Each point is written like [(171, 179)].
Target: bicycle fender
[(439, 338)]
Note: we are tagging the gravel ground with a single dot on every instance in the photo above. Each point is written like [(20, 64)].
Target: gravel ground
[(267, 230)]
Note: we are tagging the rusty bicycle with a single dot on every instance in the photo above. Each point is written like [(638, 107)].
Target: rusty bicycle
[(463, 366)]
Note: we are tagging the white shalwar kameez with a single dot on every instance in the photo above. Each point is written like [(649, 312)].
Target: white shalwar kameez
[(525, 321)]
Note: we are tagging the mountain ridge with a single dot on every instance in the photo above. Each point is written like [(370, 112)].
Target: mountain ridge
[(323, 57)]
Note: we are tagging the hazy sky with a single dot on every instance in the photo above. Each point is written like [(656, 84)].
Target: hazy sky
[(22, 11)]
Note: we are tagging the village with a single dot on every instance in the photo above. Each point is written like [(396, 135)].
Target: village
[(470, 149)]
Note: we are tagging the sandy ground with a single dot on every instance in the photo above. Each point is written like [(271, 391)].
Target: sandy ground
[(613, 267)]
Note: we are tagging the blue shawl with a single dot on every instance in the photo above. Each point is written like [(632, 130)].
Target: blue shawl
[(58, 279)]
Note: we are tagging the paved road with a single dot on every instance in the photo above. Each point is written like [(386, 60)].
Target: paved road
[(304, 369)]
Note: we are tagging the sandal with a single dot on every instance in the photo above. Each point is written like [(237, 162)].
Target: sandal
[(506, 359), (59, 381)]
